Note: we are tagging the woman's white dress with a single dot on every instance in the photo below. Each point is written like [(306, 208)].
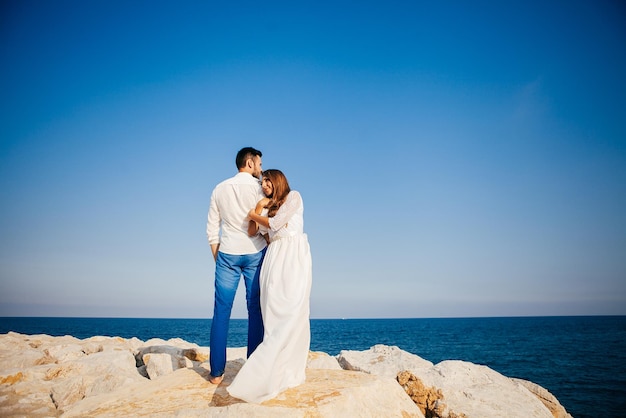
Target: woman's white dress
[(279, 362)]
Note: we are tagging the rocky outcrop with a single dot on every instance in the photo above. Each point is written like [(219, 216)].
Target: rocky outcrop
[(382, 360), (548, 399), (426, 398), (455, 389), (43, 376), (461, 389), (320, 360), (326, 393)]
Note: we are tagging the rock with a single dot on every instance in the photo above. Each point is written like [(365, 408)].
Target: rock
[(176, 348), (426, 398), (236, 353), (162, 359), (111, 376), (159, 364), (320, 360), (186, 392), (67, 371), (43, 376), (98, 373), (382, 360), (31, 352), (548, 399), (455, 388)]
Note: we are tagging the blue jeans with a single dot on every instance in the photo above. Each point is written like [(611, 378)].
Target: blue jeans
[(228, 271)]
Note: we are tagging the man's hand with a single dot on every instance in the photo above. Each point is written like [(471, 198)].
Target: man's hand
[(214, 249)]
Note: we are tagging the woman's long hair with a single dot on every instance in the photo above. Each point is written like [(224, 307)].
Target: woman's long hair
[(281, 190)]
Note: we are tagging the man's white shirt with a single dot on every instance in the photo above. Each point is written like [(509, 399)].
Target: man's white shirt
[(231, 201)]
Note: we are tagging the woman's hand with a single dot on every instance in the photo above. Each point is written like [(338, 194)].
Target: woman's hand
[(256, 218), (253, 227), (261, 205)]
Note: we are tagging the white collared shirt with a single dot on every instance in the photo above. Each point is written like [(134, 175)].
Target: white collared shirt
[(231, 201)]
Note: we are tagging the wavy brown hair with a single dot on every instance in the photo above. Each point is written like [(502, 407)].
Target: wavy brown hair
[(281, 190)]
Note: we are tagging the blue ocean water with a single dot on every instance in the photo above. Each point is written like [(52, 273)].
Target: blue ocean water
[(580, 360)]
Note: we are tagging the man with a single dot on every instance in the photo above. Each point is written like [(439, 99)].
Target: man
[(236, 254)]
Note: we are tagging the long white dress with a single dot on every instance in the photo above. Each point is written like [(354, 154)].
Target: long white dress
[(279, 362)]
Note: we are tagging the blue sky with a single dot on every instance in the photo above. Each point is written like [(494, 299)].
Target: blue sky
[(455, 158)]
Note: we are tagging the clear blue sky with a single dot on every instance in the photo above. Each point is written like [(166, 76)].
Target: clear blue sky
[(455, 158)]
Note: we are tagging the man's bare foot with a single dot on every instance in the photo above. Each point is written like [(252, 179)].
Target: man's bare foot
[(216, 380)]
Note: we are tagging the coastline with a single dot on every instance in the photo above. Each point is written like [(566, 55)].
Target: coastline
[(65, 376), (581, 359)]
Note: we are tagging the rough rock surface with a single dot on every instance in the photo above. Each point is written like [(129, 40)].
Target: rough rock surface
[(478, 391), (382, 360), (320, 360), (426, 398), (456, 389), (548, 399), (43, 376), (186, 392)]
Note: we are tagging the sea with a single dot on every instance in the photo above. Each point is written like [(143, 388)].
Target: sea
[(580, 359)]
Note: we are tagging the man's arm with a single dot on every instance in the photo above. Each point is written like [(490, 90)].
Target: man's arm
[(213, 227)]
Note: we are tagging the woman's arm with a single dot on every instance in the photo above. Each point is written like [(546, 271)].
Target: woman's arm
[(253, 227), (258, 219), (292, 204)]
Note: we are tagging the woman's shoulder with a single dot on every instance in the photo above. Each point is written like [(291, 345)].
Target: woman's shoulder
[(294, 194), (293, 199)]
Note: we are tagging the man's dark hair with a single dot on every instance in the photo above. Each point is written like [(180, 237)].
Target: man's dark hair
[(244, 154)]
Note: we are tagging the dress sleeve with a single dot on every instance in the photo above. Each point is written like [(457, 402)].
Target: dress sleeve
[(286, 211)]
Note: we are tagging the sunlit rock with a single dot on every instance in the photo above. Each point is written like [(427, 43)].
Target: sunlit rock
[(186, 392), (43, 376), (382, 360), (455, 388), (320, 360), (548, 399)]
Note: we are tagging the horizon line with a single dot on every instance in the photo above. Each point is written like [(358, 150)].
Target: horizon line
[(317, 319)]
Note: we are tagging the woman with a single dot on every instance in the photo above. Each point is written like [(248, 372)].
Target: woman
[(279, 361)]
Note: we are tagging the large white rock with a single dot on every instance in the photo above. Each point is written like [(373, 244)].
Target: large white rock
[(382, 360), (187, 393), (456, 388), (43, 376), (160, 364), (67, 370), (108, 377), (548, 399), (164, 357), (320, 360), (31, 352)]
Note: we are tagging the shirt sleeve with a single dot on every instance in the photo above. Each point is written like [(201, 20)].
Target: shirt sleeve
[(263, 230), (213, 222), (286, 211)]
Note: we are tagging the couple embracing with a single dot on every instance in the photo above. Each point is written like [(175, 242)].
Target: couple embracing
[(245, 214)]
